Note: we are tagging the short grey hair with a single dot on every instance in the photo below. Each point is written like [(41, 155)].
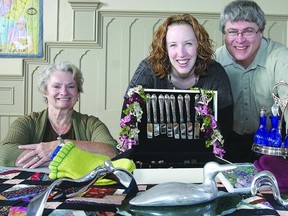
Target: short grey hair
[(44, 75), (245, 10)]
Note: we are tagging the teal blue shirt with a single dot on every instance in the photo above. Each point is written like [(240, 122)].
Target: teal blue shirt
[(252, 87)]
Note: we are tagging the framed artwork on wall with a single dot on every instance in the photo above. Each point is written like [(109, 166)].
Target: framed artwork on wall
[(21, 28)]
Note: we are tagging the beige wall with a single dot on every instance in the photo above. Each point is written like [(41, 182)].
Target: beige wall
[(106, 40), (206, 6)]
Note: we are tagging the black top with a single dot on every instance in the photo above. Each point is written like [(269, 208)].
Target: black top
[(215, 79)]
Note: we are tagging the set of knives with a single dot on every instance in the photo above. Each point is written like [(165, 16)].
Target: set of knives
[(170, 115)]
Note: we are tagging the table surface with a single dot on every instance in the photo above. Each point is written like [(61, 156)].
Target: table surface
[(17, 187)]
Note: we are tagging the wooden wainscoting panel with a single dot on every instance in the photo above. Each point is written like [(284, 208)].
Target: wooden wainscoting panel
[(276, 28), (11, 95)]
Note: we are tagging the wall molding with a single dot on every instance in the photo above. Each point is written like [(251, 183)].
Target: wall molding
[(9, 92), (84, 4)]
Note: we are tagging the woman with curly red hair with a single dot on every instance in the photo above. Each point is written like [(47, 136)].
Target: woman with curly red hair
[(181, 57)]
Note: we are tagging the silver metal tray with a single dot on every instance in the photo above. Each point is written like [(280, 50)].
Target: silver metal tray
[(270, 150)]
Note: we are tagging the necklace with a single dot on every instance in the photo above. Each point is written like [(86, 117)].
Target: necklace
[(62, 132), (195, 79)]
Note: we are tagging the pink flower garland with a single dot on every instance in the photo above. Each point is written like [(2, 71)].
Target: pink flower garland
[(129, 124), (209, 125)]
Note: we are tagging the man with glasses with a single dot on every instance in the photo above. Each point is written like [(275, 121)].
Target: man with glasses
[(254, 65)]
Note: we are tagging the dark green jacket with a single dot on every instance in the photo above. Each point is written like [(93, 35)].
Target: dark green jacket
[(30, 129)]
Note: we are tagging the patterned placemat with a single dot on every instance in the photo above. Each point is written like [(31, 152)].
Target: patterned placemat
[(18, 187)]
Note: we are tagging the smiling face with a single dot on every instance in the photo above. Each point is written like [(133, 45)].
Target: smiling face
[(62, 91), (182, 49), (243, 49)]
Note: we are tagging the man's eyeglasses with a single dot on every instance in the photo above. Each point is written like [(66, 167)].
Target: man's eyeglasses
[(247, 33)]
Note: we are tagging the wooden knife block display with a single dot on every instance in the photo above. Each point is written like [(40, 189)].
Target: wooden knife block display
[(175, 143)]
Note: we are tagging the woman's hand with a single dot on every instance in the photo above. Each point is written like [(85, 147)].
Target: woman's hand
[(36, 155)]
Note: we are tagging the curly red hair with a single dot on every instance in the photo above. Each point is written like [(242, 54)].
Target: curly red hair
[(159, 58)]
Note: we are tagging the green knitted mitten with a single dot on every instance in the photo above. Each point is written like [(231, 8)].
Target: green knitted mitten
[(73, 162)]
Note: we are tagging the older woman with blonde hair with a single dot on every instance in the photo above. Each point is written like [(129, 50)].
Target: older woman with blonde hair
[(32, 139)]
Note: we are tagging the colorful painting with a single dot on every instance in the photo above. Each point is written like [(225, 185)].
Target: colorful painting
[(21, 25)]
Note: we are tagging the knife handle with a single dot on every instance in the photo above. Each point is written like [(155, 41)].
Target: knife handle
[(161, 107), (197, 116), (197, 99), (173, 106), (167, 107), (187, 106), (148, 107), (154, 107), (180, 105)]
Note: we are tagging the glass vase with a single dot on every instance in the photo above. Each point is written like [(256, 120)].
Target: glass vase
[(261, 134), (286, 140), (274, 136)]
